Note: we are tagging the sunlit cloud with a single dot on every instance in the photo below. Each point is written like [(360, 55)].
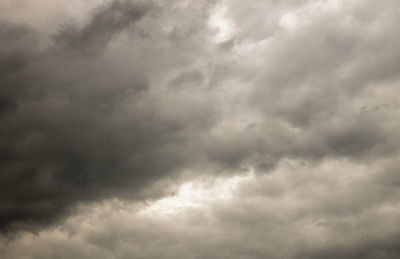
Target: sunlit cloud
[(196, 194), (222, 26)]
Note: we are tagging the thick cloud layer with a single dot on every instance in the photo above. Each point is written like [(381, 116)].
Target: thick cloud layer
[(126, 100), (286, 214), (81, 121)]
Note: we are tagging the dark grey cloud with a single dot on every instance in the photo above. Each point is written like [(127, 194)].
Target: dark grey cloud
[(76, 128), (106, 22)]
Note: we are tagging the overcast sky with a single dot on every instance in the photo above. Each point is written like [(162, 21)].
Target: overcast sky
[(265, 129)]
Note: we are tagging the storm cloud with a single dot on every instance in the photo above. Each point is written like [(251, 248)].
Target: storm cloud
[(199, 129), (79, 127)]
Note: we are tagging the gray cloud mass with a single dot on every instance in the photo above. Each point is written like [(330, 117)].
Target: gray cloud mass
[(284, 113)]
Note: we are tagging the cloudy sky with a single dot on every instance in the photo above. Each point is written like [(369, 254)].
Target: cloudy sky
[(265, 129)]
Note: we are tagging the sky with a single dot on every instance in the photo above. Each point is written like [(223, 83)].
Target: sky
[(199, 129)]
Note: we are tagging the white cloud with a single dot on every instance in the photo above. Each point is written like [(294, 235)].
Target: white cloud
[(223, 26)]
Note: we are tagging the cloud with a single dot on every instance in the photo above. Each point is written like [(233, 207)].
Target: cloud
[(285, 214), (310, 85), (90, 127), (109, 108), (105, 23)]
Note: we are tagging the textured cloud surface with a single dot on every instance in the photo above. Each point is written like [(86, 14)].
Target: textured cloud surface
[(199, 129)]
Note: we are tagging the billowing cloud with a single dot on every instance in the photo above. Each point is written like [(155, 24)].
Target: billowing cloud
[(109, 106), (82, 119), (286, 214)]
